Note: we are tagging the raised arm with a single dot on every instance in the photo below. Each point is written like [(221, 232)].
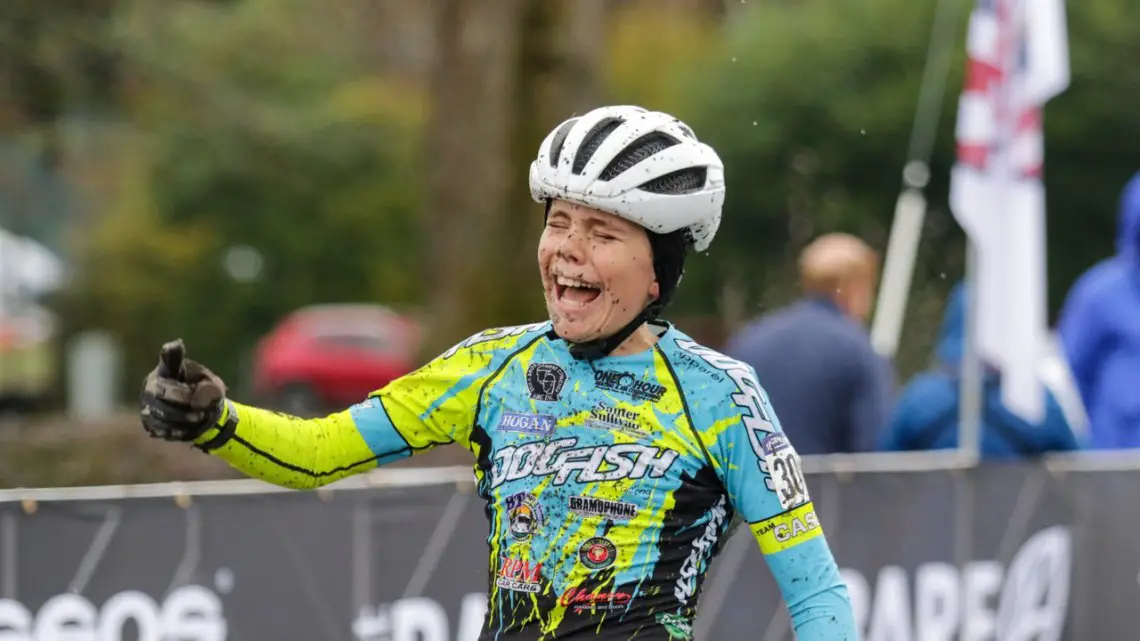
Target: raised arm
[(300, 453), (432, 406)]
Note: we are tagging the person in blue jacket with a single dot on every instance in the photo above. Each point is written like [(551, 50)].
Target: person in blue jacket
[(926, 415), (1100, 331), (817, 348)]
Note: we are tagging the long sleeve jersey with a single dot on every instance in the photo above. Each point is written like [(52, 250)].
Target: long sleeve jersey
[(610, 484)]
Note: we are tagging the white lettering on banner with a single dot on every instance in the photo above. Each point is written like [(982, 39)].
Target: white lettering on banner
[(748, 397), (420, 619), (491, 335), (189, 613), (590, 464), (979, 602), (687, 578)]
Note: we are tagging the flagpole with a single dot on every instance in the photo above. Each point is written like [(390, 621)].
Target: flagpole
[(910, 207), (971, 393)]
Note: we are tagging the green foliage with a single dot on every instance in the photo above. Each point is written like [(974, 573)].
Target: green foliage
[(261, 129), (811, 107), (647, 45), (131, 271), (1090, 139), (264, 123)]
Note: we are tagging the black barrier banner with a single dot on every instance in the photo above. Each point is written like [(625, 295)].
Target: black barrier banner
[(1002, 553)]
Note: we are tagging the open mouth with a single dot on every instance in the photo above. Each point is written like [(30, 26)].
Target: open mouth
[(575, 292)]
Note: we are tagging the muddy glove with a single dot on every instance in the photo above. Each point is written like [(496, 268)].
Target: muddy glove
[(182, 399)]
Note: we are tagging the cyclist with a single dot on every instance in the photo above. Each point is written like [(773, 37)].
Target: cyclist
[(612, 450)]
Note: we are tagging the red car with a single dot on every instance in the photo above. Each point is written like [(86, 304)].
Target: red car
[(327, 357)]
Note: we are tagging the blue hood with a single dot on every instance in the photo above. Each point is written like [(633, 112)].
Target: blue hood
[(1128, 238), (952, 336)]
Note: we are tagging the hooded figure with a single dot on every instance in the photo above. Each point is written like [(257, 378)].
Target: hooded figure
[(1100, 330), (926, 416)]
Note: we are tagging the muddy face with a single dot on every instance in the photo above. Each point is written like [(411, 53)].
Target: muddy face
[(597, 271)]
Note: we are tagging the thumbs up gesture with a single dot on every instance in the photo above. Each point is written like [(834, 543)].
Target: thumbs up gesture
[(181, 398)]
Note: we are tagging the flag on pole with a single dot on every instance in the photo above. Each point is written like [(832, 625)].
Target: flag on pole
[(1018, 60)]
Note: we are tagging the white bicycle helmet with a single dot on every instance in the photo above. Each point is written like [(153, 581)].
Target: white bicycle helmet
[(645, 166), (650, 169)]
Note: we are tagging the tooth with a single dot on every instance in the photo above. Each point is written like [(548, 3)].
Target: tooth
[(566, 281)]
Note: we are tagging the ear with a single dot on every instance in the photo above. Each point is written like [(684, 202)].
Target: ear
[(654, 291)]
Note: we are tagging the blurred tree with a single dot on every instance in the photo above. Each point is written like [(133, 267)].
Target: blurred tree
[(293, 147), (53, 58), (648, 46), (505, 73), (558, 66), (132, 270), (56, 68), (816, 142), (812, 143), (264, 124), (467, 143)]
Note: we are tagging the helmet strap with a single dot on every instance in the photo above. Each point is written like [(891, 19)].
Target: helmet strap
[(603, 347)]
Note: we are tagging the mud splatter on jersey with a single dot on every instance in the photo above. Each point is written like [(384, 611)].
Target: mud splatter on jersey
[(609, 485)]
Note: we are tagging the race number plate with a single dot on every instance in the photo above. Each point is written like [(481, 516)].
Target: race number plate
[(784, 466)]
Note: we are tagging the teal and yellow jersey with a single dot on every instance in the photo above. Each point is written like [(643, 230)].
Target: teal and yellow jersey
[(610, 484)]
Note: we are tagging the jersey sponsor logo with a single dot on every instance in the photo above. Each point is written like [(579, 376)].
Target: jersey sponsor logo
[(748, 397), (597, 553), (524, 515), (519, 575), (493, 334), (578, 599), (787, 475), (684, 360), (784, 533), (616, 418), (527, 423), (787, 530), (677, 626), (591, 506), (544, 381), (691, 568), (628, 384), (590, 464), (774, 444)]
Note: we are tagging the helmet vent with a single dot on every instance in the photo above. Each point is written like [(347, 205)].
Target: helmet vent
[(594, 139), (683, 181), (638, 151), (559, 140)]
